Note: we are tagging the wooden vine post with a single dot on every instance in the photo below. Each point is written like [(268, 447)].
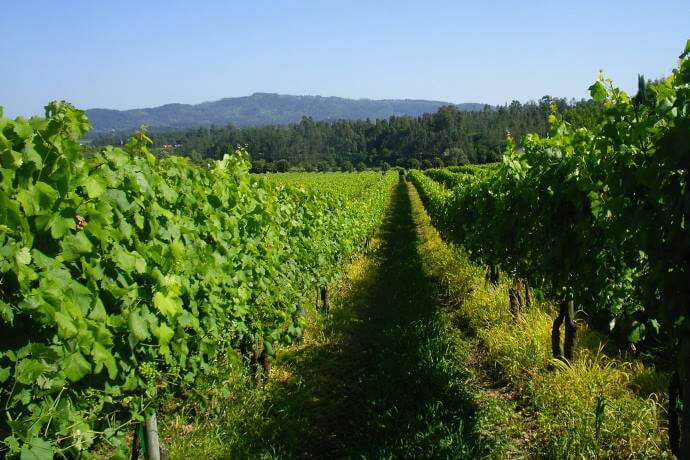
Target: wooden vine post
[(324, 299), (685, 420), (517, 296), (566, 316), (674, 396), (146, 440), (679, 396), (137, 441), (492, 275), (153, 447), (513, 301)]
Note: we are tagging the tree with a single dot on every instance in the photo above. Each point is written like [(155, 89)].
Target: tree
[(413, 163), (258, 166), (346, 166), (324, 166), (283, 165), (196, 157), (455, 156)]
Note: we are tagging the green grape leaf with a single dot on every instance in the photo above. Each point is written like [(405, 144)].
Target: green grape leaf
[(28, 370), (137, 326), (95, 186), (6, 175), (167, 193), (164, 334), (169, 306), (139, 220), (598, 91), (40, 197), (188, 320), (75, 366), (6, 312), (139, 264), (636, 332), (32, 156), (128, 261), (102, 357), (22, 128), (23, 256), (60, 226), (123, 259), (117, 157), (98, 312), (177, 249), (10, 215), (66, 327), (596, 204), (11, 441), (76, 245), (37, 449)]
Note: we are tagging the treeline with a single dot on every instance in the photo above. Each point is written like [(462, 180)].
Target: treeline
[(446, 137)]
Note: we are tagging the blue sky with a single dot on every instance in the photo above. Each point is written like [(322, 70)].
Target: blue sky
[(122, 54)]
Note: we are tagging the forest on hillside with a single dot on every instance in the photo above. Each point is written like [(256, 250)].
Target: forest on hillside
[(446, 137)]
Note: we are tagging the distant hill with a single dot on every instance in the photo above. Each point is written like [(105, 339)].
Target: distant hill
[(260, 109)]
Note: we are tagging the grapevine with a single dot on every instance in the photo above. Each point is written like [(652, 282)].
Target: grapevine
[(594, 216), (120, 272)]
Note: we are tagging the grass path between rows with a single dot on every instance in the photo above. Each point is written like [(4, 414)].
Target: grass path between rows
[(384, 375), (384, 378)]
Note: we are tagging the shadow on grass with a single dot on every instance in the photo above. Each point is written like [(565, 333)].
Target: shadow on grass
[(383, 382)]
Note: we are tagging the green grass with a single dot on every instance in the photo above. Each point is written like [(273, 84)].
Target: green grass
[(223, 416)]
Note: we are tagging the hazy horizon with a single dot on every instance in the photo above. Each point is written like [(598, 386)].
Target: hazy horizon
[(128, 55), (284, 94)]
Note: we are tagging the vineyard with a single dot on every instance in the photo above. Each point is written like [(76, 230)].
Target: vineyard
[(124, 276), (374, 314), (595, 218)]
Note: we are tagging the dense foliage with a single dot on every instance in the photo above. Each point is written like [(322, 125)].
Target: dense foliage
[(457, 175), (123, 276), (598, 215), (447, 137)]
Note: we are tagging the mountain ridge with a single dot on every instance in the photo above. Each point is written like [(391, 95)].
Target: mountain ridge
[(260, 109)]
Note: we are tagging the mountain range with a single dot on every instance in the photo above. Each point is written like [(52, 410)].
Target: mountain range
[(260, 109)]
